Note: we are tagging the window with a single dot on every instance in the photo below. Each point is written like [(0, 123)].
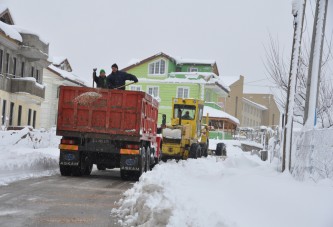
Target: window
[(1, 60), (29, 116), (32, 71), (157, 68), (19, 116), (135, 88), (34, 119), (236, 106), (14, 66), (183, 92), (192, 69), (4, 103), (11, 113), (37, 75), (22, 69), (7, 63), (153, 91)]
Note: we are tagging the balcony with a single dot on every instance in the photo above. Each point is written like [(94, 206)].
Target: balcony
[(33, 48), (27, 85)]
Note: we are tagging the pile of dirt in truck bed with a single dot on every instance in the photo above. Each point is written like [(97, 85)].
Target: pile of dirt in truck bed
[(87, 98)]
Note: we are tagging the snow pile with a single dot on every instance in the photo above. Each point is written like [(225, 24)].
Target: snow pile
[(172, 133), (87, 98), (312, 154), (27, 153), (240, 191)]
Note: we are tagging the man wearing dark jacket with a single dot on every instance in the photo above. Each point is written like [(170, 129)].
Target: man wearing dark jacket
[(101, 81), (118, 78)]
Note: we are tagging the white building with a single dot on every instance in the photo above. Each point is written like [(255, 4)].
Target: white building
[(55, 75)]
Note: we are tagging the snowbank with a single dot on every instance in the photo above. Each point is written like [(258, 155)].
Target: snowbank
[(27, 153), (240, 191)]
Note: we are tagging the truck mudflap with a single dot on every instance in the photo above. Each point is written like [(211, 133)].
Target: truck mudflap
[(69, 158), (130, 162)]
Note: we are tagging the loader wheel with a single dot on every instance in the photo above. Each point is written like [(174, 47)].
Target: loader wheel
[(194, 150), (65, 170)]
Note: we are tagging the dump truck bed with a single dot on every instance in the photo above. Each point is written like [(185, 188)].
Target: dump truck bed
[(104, 113)]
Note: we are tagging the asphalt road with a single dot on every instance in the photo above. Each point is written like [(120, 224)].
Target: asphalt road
[(63, 201)]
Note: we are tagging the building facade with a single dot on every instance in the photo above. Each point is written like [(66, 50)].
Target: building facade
[(57, 74), (165, 77), (23, 55)]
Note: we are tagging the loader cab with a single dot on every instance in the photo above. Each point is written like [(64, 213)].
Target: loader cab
[(188, 112)]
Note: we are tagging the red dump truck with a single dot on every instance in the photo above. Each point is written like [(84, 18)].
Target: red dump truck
[(109, 128)]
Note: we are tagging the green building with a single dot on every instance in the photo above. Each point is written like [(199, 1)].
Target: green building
[(165, 77)]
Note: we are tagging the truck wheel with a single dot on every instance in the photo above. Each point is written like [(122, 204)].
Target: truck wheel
[(142, 165), (101, 167), (147, 160), (65, 170), (81, 169), (88, 169), (194, 151), (124, 174)]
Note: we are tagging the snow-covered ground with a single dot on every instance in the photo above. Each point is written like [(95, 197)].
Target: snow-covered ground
[(27, 153), (241, 191)]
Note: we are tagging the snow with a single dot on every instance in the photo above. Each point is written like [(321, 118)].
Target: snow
[(30, 79), (65, 74), (10, 31), (57, 60), (28, 31), (255, 104), (172, 133), (27, 153), (240, 191), (218, 113), (181, 60)]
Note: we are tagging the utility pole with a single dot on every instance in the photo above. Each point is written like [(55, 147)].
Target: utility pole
[(298, 12), (312, 86)]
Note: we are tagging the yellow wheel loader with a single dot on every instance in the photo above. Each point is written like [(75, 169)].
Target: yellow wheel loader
[(187, 136)]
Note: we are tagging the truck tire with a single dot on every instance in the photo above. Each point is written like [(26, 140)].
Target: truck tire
[(65, 170), (194, 150), (88, 169), (142, 165), (100, 167), (81, 169), (124, 174), (147, 160)]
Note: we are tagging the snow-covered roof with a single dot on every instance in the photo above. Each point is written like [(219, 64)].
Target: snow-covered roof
[(181, 60), (66, 74), (218, 113), (198, 77), (58, 60), (229, 80), (28, 31), (10, 31), (262, 107)]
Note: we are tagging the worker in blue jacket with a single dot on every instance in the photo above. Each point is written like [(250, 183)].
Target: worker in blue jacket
[(117, 79)]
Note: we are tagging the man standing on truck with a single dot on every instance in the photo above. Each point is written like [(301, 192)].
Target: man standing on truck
[(101, 81), (117, 79)]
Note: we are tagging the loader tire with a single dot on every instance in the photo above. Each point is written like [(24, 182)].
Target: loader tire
[(194, 150)]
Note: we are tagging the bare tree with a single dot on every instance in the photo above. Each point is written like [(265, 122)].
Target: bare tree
[(278, 71)]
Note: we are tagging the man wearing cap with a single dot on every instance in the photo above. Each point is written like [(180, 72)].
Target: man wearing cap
[(117, 79), (101, 80)]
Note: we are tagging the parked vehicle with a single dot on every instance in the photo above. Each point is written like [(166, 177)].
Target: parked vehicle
[(109, 128), (187, 136)]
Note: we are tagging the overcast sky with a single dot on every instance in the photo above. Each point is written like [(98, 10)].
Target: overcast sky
[(102, 32)]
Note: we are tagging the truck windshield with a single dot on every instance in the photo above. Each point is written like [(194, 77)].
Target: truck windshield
[(186, 112)]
